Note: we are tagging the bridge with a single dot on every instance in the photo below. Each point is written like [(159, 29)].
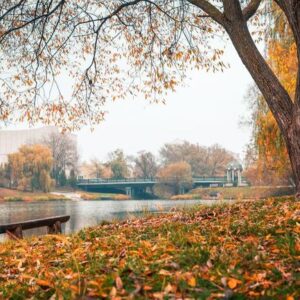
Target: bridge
[(132, 186)]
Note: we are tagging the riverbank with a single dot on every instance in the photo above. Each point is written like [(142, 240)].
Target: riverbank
[(236, 193), (102, 196), (14, 195), (250, 249)]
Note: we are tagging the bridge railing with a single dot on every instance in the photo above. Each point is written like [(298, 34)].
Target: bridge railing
[(148, 180), (104, 180)]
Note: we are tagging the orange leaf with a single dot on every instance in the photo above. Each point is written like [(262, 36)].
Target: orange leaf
[(119, 283), (44, 283), (192, 281), (232, 283)]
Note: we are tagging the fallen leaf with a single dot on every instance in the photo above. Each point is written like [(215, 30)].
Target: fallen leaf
[(232, 283), (113, 292), (44, 283), (164, 272), (119, 283), (192, 281)]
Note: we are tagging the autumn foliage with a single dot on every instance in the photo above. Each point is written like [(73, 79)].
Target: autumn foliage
[(174, 179), (30, 167), (273, 165)]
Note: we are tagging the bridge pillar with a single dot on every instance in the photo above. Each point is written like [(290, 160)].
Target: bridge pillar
[(181, 190), (129, 191)]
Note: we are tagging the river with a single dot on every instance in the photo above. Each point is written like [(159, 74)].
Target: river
[(86, 213)]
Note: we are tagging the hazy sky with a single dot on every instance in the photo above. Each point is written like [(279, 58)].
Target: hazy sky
[(207, 110)]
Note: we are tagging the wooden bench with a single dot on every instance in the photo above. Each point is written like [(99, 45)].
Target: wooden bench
[(15, 230)]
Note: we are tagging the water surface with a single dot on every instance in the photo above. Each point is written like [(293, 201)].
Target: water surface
[(86, 213)]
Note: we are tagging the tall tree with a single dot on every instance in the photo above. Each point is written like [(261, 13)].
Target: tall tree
[(272, 164), (30, 168), (95, 169), (204, 161), (218, 159), (118, 164), (159, 39), (64, 153), (145, 165)]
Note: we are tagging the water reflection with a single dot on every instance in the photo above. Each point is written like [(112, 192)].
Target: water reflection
[(85, 213)]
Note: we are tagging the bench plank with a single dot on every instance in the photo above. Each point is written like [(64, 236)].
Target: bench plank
[(54, 223)]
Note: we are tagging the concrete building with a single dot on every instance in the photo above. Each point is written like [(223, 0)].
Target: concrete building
[(11, 140)]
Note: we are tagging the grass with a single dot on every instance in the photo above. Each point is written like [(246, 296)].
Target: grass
[(14, 195), (237, 193), (103, 196), (247, 250)]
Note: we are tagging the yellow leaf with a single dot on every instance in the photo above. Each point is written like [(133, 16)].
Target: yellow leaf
[(290, 298), (113, 292), (192, 281)]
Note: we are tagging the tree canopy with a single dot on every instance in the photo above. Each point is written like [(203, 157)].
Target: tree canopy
[(30, 167)]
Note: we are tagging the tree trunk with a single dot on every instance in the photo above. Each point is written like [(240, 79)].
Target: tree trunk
[(286, 113), (293, 147)]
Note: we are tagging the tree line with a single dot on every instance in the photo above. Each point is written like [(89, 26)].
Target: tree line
[(174, 167), (54, 162)]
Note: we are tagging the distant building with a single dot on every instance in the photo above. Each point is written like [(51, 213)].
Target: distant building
[(12, 140)]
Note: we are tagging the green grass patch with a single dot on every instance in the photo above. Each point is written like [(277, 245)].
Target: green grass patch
[(236, 193)]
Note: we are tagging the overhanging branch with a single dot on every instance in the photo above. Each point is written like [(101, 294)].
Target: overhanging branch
[(251, 9), (210, 9)]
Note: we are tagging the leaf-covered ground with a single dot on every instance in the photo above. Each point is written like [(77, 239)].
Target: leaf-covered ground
[(240, 251)]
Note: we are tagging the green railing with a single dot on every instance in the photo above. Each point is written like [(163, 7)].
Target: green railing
[(147, 180)]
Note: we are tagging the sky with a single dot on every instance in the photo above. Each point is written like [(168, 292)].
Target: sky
[(206, 110)]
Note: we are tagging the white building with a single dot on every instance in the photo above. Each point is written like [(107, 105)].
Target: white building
[(11, 140)]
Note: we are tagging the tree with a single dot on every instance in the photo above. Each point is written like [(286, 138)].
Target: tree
[(118, 164), (72, 179), (64, 153), (267, 160), (204, 161), (95, 169), (272, 165), (145, 165), (41, 39), (30, 168), (195, 155), (174, 179)]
